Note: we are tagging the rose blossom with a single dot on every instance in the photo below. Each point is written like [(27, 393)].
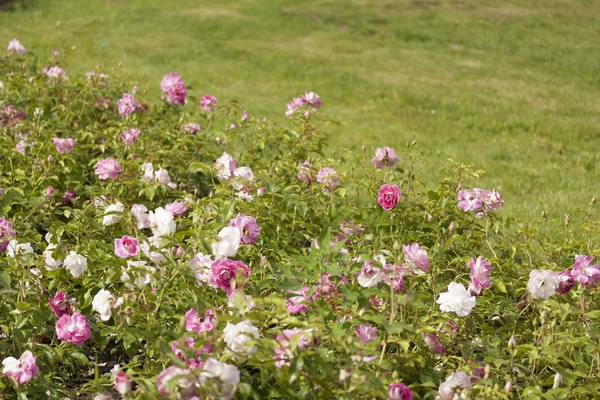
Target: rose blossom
[(433, 342), (294, 105), (60, 304), (55, 72), (542, 284), (224, 274), (148, 169), (399, 391), (584, 272), (191, 128), (104, 302), (228, 377), (107, 168), (566, 282), (480, 200), (140, 213), (113, 214), (127, 104), (173, 87), (208, 103), (185, 382), (64, 146), (369, 275), (313, 99), (385, 157), (456, 381), (11, 116), (49, 191), (366, 332), (126, 246), (176, 207), (161, 222), (329, 178), (73, 329), (196, 323), (6, 233), (457, 299), (225, 166), (201, 264), (480, 275), (388, 196), (297, 304), (67, 198), (122, 383), (415, 255), (237, 336), (305, 171), (21, 146), (248, 227), (15, 248), (228, 242), (76, 264), (21, 370), (130, 135), (15, 46), (393, 275)]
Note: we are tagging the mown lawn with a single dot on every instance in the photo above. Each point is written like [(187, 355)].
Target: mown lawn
[(508, 86)]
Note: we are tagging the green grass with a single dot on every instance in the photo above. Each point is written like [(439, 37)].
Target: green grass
[(508, 86)]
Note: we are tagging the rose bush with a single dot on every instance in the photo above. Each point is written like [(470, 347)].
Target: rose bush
[(180, 247)]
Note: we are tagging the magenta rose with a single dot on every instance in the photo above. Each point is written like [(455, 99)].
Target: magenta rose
[(60, 304), (73, 329), (248, 226), (224, 274), (388, 196)]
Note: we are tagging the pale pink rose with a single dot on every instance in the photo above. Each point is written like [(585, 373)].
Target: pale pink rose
[(6, 233), (329, 178), (584, 272), (195, 323), (224, 274), (388, 196), (107, 168), (162, 176), (296, 104), (49, 191), (73, 329), (416, 256), (297, 304), (176, 207), (190, 128), (480, 275), (366, 333), (60, 304), (55, 72), (385, 157), (225, 166), (14, 46), (122, 383), (480, 200), (127, 246), (185, 382), (64, 146), (127, 104), (140, 213), (21, 146), (208, 102), (248, 226), (130, 135), (313, 99), (22, 370)]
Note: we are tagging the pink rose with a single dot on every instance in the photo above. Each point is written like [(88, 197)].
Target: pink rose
[(127, 104), (432, 341), (22, 370), (208, 102), (584, 272), (49, 191), (305, 171), (67, 199), (173, 87), (107, 168), (14, 46), (366, 332), (225, 166), (195, 323), (224, 274), (399, 391), (130, 135), (122, 383), (329, 178), (313, 99), (10, 116), (73, 329), (385, 157), (388, 196), (416, 256), (64, 146), (127, 246), (6, 233), (191, 128), (480, 275), (60, 304), (176, 207), (248, 226)]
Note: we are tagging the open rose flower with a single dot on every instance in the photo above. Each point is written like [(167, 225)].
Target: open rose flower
[(542, 284), (126, 246), (108, 168), (248, 227), (388, 196), (130, 136), (584, 272), (416, 256), (6, 233), (63, 146), (208, 103), (366, 333), (385, 157), (457, 299), (60, 304), (329, 178), (173, 88), (480, 275), (21, 370), (127, 104), (14, 46), (195, 323), (104, 302), (399, 391), (225, 274), (73, 329), (225, 166)]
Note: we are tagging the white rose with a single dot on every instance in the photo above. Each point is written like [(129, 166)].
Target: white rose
[(228, 243), (154, 256), (15, 248), (76, 264), (104, 302), (162, 176), (542, 284), (369, 276), (228, 375), (237, 337), (201, 266), (161, 222), (110, 214), (455, 381), (51, 263), (148, 171), (457, 299), (140, 213)]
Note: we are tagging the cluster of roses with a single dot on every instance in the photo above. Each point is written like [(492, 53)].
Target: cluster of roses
[(241, 178), (545, 283), (308, 99)]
